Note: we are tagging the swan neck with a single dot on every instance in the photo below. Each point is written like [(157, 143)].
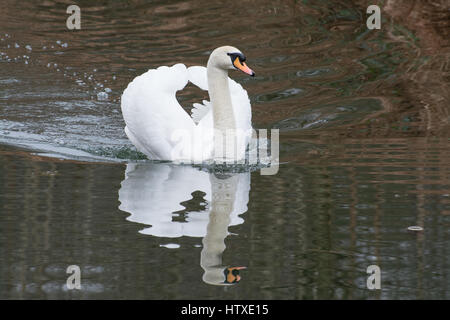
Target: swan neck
[(219, 93)]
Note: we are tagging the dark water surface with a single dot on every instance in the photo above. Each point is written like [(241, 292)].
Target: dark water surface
[(362, 161)]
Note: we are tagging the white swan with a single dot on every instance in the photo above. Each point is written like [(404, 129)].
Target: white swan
[(159, 127)]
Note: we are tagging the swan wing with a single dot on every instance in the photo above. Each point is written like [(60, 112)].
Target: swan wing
[(197, 76), (199, 110), (152, 113)]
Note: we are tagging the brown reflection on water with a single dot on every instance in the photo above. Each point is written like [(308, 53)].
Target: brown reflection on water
[(305, 55), (374, 191), (425, 78)]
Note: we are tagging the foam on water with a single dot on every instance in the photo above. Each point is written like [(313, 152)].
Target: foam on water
[(54, 140), (32, 57)]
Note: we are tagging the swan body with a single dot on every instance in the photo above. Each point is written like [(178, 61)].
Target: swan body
[(160, 128)]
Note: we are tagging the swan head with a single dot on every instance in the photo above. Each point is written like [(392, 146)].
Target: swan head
[(229, 58)]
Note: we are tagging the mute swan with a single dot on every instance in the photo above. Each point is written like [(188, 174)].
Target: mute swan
[(158, 126)]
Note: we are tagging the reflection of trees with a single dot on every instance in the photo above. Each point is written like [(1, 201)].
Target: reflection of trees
[(424, 79), (310, 231), (406, 67), (353, 210), (36, 196)]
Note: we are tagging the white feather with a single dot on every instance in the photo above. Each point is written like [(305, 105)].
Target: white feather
[(153, 115)]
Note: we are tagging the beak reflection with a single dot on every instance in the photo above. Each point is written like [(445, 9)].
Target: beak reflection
[(232, 274)]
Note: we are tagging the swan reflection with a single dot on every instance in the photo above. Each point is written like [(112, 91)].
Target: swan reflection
[(178, 201)]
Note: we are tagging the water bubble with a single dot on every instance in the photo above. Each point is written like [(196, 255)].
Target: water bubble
[(58, 41), (28, 47), (48, 65), (114, 77), (16, 45), (415, 228), (101, 96), (170, 245), (44, 48), (108, 90), (95, 70), (64, 45)]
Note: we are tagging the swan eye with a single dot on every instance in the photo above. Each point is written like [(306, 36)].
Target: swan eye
[(237, 60), (235, 55)]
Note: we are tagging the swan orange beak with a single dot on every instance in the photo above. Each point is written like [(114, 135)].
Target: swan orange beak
[(243, 67)]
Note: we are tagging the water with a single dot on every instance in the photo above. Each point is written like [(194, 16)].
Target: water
[(363, 144)]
